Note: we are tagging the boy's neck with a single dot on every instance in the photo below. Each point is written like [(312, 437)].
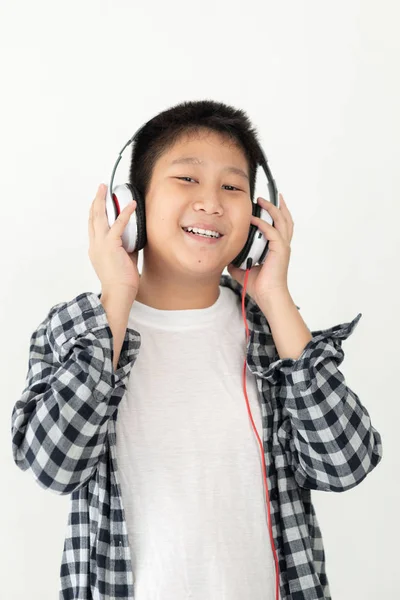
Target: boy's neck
[(166, 294)]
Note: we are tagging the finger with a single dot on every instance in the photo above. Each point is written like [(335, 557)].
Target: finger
[(288, 217), (273, 234), (90, 226), (285, 210), (90, 221), (282, 221), (270, 206), (121, 222), (99, 214), (268, 230)]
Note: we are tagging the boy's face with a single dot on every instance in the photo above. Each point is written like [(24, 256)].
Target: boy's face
[(207, 194)]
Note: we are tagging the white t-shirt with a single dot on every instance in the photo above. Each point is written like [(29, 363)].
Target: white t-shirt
[(188, 459)]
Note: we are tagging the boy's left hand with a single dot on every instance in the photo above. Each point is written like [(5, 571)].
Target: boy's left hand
[(271, 276)]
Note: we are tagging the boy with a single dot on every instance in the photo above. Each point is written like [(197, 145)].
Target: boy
[(167, 500)]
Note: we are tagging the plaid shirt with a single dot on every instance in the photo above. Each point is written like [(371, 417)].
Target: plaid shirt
[(316, 436)]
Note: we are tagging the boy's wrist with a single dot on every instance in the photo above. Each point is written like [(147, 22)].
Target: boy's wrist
[(121, 296)]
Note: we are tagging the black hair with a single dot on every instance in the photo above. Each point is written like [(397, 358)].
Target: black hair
[(163, 130)]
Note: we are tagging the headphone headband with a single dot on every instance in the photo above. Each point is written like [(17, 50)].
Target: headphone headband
[(273, 191)]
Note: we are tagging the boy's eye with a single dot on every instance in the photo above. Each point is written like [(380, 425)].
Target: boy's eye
[(186, 178), (231, 186)]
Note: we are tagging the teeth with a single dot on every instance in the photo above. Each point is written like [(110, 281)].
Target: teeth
[(205, 232)]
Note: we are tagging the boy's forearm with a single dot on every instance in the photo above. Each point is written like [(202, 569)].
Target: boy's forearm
[(117, 307), (289, 331)]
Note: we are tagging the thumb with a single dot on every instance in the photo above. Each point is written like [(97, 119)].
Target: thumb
[(123, 218)]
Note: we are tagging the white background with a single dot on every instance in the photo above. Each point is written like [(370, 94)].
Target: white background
[(320, 81)]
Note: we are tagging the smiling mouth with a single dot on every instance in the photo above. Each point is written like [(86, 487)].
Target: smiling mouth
[(202, 238)]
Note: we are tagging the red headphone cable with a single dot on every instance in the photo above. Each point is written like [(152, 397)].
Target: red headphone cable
[(259, 441)]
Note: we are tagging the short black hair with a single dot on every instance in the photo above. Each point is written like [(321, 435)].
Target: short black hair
[(164, 129)]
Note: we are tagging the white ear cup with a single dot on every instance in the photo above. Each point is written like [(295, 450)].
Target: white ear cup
[(259, 242), (124, 197)]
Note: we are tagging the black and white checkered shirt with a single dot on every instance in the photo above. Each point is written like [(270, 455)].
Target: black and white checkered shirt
[(316, 435)]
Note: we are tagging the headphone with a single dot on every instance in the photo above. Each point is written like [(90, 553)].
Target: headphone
[(134, 236)]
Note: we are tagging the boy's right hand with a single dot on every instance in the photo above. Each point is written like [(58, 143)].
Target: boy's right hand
[(116, 269)]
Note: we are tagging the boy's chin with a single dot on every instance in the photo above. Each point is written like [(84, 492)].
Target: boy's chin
[(186, 265), (201, 268)]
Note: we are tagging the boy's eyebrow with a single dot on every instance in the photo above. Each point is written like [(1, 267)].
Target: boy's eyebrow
[(196, 161)]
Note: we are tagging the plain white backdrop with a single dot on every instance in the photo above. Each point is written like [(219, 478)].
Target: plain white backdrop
[(320, 81)]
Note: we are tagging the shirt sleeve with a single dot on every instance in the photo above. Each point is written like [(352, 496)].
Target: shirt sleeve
[(59, 423), (326, 431)]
